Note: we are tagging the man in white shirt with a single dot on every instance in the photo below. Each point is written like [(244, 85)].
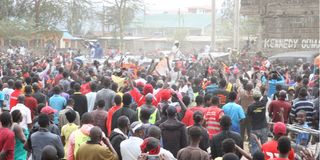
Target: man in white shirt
[(25, 111), (130, 148), (91, 97), (7, 92)]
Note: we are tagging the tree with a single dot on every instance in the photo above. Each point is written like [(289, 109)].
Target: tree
[(120, 13)]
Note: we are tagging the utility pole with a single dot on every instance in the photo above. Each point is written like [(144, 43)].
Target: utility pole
[(236, 23), (213, 24)]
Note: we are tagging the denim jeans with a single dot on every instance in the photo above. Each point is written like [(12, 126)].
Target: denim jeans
[(262, 135)]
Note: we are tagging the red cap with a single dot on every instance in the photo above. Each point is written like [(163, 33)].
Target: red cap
[(147, 89), (48, 110), (279, 128), (140, 84), (166, 95)]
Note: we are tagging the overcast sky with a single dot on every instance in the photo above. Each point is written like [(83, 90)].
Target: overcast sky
[(174, 5)]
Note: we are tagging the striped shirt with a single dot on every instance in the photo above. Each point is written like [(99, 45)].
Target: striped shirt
[(307, 106)]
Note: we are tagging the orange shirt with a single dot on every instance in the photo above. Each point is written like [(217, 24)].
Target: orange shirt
[(109, 118)]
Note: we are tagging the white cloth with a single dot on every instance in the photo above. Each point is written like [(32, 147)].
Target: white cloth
[(26, 114), (130, 148), (91, 98), (167, 153)]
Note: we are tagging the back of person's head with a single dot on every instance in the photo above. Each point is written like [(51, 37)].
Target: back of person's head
[(195, 133), (249, 86), (144, 114), (28, 80), (93, 86), (56, 90), (284, 145), (197, 117), (258, 156), (123, 122), (303, 92), (171, 111), (230, 156), (60, 70), (215, 100), (118, 100), (114, 87), (149, 98), (28, 89), (207, 98), (151, 145), (232, 96), (40, 106), (5, 118), (225, 122), (43, 120), (299, 79), (16, 116), (87, 118), (222, 83), (95, 134), (127, 99), (154, 131), (101, 103), (305, 81), (282, 95), (21, 99), (77, 87), (10, 83), (70, 102), (228, 145), (186, 100), (49, 153), (106, 82), (18, 84), (87, 79), (65, 74), (199, 100), (71, 116), (214, 80)]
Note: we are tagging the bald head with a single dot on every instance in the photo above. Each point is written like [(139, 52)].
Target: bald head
[(149, 98), (95, 134), (283, 94), (49, 153)]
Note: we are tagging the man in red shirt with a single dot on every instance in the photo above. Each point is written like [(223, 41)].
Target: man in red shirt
[(213, 116), (118, 102), (284, 147), (58, 77), (199, 106), (7, 140), (270, 149), (85, 88), (30, 101), (15, 94), (279, 110)]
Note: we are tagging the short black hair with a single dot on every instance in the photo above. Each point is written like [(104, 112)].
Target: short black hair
[(230, 156), (228, 145), (65, 74), (186, 100), (106, 82), (194, 132), (232, 96), (215, 100), (197, 117), (87, 118), (71, 116), (122, 122), (171, 111), (214, 80), (28, 89), (117, 100), (93, 86), (43, 120), (144, 114), (207, 98), (199, 100), (5, 118), (127, 99), (258, 156), (70, 101), (222, 83), (225, 122), (16, 116), (56, 90), (303, 92), (284, 145), (101, 103), (18, 84), (77, 87)]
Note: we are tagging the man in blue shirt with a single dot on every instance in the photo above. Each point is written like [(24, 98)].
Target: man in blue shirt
[(57, 102), (276, 79), (1, 97), (234, 111)]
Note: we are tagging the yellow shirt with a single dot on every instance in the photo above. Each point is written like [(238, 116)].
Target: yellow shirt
[(66, 132)]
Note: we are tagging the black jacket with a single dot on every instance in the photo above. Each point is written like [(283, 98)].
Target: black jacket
[(174, 135), (216, 143), (115, 140), (80, 103), (123, 111)]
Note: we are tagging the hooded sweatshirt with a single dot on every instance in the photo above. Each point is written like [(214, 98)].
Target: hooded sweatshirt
[(174, 135)]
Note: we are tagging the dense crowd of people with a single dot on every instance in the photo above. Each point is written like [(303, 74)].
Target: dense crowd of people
[(64, 108)]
